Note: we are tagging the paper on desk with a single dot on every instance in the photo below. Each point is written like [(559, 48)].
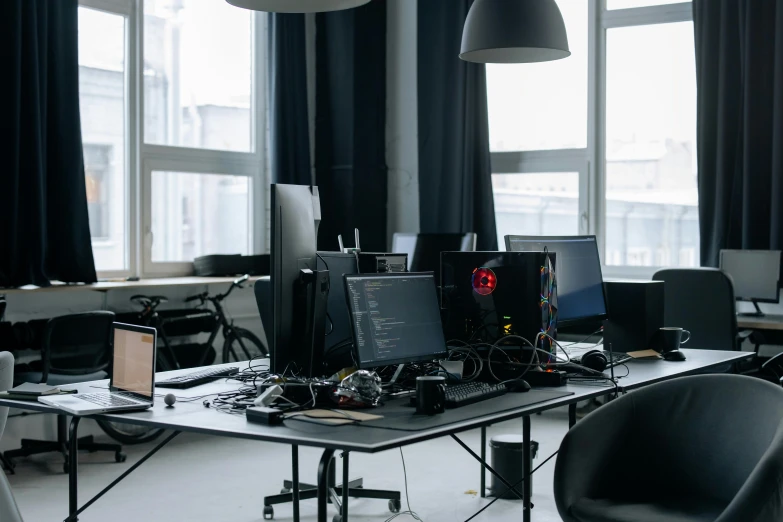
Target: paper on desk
[(645, 354), (338, 417)]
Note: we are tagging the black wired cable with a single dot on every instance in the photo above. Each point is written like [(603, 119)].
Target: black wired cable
[(513, 486), (410, 512)]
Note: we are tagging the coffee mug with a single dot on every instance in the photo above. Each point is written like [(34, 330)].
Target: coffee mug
[(672, 338), (430, 394)]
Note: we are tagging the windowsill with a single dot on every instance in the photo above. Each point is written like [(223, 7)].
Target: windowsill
[(105, 286)]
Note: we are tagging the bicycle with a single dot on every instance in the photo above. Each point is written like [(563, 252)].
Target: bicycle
[(239, 343)]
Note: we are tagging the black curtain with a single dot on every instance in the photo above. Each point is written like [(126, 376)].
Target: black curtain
[(455, 174), (44, 226), (350, 128), (739, 73), (290, 135)]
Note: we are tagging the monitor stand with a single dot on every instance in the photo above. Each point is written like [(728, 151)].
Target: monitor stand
[(757, 313)]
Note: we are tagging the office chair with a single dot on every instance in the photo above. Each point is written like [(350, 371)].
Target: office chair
[(700, 448), (75, 348), (9, 512), (701, 300)]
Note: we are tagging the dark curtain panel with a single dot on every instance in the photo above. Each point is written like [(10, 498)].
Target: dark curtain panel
[(44, 227), (455, 174), (350, 129), (739, 73), (290, 136)]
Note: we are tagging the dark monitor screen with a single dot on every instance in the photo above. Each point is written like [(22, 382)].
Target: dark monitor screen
[(580, 285), (754, 273), (338, 323), (424, 249), (395, 318)]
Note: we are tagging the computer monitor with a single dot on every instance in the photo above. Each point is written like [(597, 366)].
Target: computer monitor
[(338, 322), (755, 274), (293, 248), (395, 318), (424, 249), (580, 285)]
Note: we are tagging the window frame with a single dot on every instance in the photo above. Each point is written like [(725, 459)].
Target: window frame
[(590, 162), (142, 159)]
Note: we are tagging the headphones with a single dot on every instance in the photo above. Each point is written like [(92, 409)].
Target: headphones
[(595, 360)]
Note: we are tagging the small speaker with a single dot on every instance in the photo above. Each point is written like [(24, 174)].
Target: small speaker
[(634, 312)]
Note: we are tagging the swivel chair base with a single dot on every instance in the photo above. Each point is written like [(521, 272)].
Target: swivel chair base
[(38, 447)]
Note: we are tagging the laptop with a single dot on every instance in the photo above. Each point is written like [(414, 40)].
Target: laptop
[(132, 384)]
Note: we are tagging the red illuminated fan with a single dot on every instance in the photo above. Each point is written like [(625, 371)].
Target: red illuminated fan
[(484, 281)]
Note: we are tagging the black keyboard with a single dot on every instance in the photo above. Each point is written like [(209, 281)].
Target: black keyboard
[(196, 378), (107, 399), (463, 394)]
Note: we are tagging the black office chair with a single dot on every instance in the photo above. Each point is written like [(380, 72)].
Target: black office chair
[(701, 300), (74, 349), (701, 448)]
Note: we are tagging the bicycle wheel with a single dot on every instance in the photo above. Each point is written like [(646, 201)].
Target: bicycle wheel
[(129, 433), (243, 345)]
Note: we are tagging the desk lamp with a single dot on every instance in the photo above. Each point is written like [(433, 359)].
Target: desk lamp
[(514, 31)]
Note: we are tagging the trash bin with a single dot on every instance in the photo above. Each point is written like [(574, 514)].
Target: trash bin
[(506, 458)]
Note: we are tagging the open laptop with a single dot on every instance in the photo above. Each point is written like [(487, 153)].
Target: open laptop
[(132, 382)]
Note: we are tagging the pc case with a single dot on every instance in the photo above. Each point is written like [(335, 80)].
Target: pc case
[(486, 296)]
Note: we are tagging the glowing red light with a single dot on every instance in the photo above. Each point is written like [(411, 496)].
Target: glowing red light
[(484, 281)]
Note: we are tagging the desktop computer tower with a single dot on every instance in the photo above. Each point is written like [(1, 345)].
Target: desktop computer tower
[(634, 315), (486, 296)]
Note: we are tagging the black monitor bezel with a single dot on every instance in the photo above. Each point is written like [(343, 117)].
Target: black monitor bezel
[(572, 320), (389, 362), (745, 299), (143, 330)]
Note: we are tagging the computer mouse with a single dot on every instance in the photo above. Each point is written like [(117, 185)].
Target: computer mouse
[(674, 355), (517, 386)]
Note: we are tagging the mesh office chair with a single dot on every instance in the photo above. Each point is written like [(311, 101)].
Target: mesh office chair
[(9, 512), (701, 300), (75, 349), (694, 449)]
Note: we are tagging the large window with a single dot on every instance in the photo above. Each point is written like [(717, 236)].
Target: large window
[(104, 105), (173, 130), (603, 142)]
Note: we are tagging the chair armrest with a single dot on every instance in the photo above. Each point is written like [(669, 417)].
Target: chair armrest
[(588, 451)]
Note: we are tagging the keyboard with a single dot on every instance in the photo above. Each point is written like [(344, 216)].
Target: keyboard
[(468, 393), (196, 378), (107, 399)]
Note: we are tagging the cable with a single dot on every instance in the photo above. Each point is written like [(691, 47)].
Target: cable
[(331, 324), (410, 512), (513, 486), (323, 260)]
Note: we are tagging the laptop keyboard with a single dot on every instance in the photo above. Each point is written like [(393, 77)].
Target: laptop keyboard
[(108, 399)]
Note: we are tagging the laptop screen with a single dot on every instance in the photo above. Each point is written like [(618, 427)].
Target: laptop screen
[(133, 363)]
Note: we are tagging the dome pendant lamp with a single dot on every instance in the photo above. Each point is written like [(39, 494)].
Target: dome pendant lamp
[(514, 31), (297, 6)]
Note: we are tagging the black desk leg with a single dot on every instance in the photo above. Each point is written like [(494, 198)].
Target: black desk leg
[(571, 415), (526, 489), (295, 480), (346, 488), (483, 460), (323, 483), (73, 469)]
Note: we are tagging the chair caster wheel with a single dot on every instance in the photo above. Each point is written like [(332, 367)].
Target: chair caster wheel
[(395, 506), (337, 518), (120, 457), (269, 512), (285, 491)]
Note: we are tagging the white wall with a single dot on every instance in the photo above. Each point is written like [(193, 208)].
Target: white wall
[(402, 136)]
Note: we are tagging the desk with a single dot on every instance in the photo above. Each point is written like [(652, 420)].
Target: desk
[(193, 417), (766, 322)]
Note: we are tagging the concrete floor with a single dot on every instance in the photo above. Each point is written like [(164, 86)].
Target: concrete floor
[(200, 478)]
